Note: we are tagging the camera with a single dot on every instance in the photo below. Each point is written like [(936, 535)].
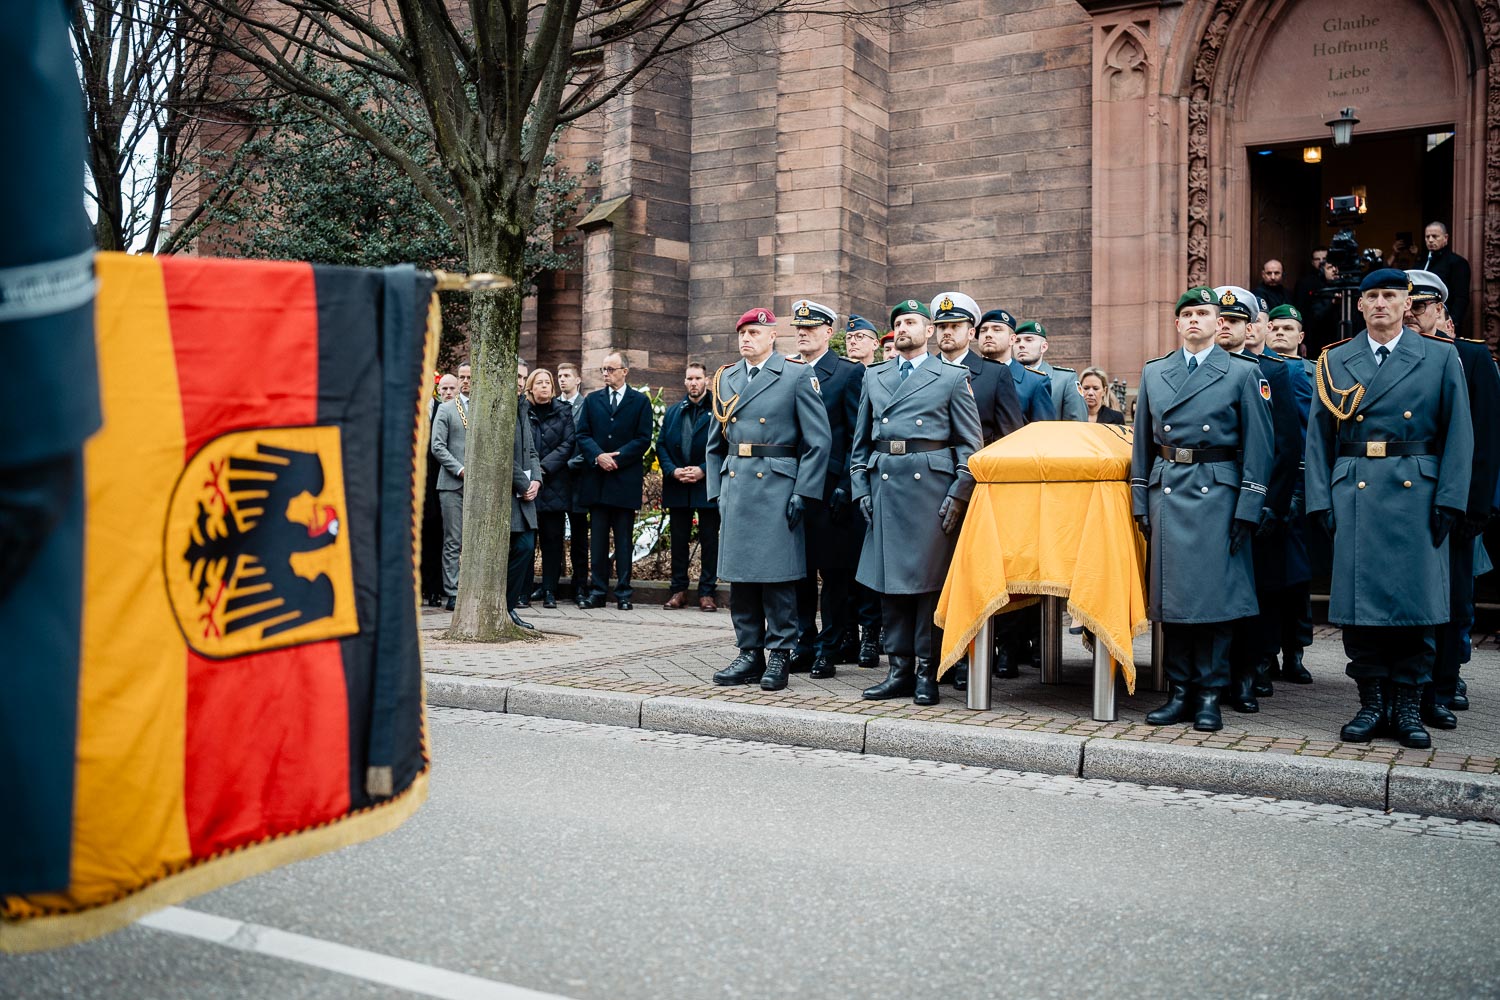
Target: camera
[(1344, 213)]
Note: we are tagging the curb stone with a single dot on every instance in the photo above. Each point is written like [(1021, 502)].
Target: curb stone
[(1425, 791)]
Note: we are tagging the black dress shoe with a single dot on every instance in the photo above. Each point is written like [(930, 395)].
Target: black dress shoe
[(1174, 711), (622, 605), (1406, 718), (523, 603), (1460, 700), (591, 602), (869, 647), (537, 593), (960, 675), (925, 692), (800, 660), (1005, 662), (1292, 670), (1369, 721), (519, 622), (900, 681), (1435, 715), (449, 605), (775, 677), (1206, 717), (549, 600), (746, 668), (822, 666), (1242, 694)]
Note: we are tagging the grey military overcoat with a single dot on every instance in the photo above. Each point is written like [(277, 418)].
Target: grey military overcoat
[(1192, 506), (779, 407), (905, 550), (1067, 402), (1386, 570)]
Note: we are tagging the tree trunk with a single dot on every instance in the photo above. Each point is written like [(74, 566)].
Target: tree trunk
[(480, 613)]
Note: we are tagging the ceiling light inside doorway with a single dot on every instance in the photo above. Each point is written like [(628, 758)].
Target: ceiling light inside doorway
[(1312, 154)]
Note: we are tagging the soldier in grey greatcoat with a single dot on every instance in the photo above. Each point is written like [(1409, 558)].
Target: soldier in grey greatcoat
[(767, 460), (1389, 455), (1031, 347), (916, 429), (1202, 457)]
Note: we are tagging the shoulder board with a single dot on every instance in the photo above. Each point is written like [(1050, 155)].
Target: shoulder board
[(725, 368), (1474, 340), (955, 364), (1442, 340), (847, 361), (879, 364), (796, 359), (1035, 371), (1162, 358), (1336, 343), (1063, 368), (1254, 359), (1273, 356)]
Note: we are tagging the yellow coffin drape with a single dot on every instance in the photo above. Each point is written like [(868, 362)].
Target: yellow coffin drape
[(1050, 515)]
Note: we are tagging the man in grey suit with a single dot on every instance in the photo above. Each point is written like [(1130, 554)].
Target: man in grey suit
[(1031, 348), (916, 428), (767, 460), (1202, 457), (449, 429), (568, 382), (1390, 451)]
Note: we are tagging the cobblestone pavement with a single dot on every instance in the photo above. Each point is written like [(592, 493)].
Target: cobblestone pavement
[(653, 651), (1407, 824)]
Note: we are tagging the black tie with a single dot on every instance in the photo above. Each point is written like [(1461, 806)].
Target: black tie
[(614, 400), (754, 371), (1192, 365), (906, 367), (1381, 353)]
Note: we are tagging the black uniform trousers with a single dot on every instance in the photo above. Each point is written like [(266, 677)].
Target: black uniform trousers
[(619, 522), (764, 615), (907, 628), (832, 554), (680, 521), (1402, 654), (1197, 654), (578, 527), (863, 605), (518, 567), (550, 531), (1452, 638)]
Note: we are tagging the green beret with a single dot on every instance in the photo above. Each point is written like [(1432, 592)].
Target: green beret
[(1032, 326), (1286, 312), (910, 306), (1199, 296)]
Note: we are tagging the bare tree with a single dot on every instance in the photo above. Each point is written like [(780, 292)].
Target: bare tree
[(147, 83), (498, 79)]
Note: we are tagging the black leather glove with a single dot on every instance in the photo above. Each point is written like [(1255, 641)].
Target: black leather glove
[(867, 508), (1298, 507), (794, 511), (1240, 533), (1144, 523), (951, 514), (1443, 520), (1268, 523), (838, 505), (1324, 520), (1473, 527)]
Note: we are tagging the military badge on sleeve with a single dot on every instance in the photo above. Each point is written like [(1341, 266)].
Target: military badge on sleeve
[(814, 380), (1265, 390)]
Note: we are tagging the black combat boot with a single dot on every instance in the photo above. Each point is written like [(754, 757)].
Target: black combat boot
[(1292, 670), (823, 666), (960, 675), (899, 682), (1460, 702), (1369, 721), (1206, 717), (746, 668), (777, 669), (925, 691), (1174, 711), (1263, 688), (1242, 692), (1406, 718), (1005, 662), (869, 647), (800, 660), (1435, 715)]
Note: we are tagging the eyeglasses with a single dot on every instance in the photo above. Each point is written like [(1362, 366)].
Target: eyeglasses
[(606, 371)]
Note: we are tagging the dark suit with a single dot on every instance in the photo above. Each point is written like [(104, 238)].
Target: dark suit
[(1110, 416), (1454, 270), (833, 543), (683, 441), (613, 497), (997, 397), (1033, 389), (1483, 383)]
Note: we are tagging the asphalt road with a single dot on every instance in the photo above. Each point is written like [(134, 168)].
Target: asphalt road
[(591, 862)]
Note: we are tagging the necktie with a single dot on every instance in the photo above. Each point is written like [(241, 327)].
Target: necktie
[(614, 400), (906, 367), (754, 371), (1192, 365), (1381, 353)]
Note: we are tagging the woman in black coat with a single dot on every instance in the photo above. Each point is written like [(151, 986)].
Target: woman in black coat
[(552, 425), (1094, 385)]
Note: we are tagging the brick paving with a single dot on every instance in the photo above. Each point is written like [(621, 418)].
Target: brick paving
[(653, 651)]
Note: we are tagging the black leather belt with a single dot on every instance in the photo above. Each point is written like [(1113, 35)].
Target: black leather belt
[(910, 447), (1384, 449), (1189, 456), (765, 451)]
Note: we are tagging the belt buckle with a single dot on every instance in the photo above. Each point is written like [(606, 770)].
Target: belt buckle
[(747, 450), (1183, 455), (898, 447), (1375, 449)]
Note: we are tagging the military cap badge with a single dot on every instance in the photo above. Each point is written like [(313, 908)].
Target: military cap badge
[(1206, 295), (946, 304), (911, 303), (761, 317), (1227, 299), (803, 310)]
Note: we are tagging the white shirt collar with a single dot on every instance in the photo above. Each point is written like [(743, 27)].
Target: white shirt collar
[(916, 362), (1200, 355), (1375, 346), (813, 361)]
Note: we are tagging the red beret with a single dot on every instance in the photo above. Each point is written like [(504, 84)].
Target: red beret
[(760, 317)]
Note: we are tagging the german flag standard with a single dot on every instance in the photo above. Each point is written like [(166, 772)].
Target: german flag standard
[(250, 679)]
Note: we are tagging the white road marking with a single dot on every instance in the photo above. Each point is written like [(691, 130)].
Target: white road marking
[(414, 977)]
